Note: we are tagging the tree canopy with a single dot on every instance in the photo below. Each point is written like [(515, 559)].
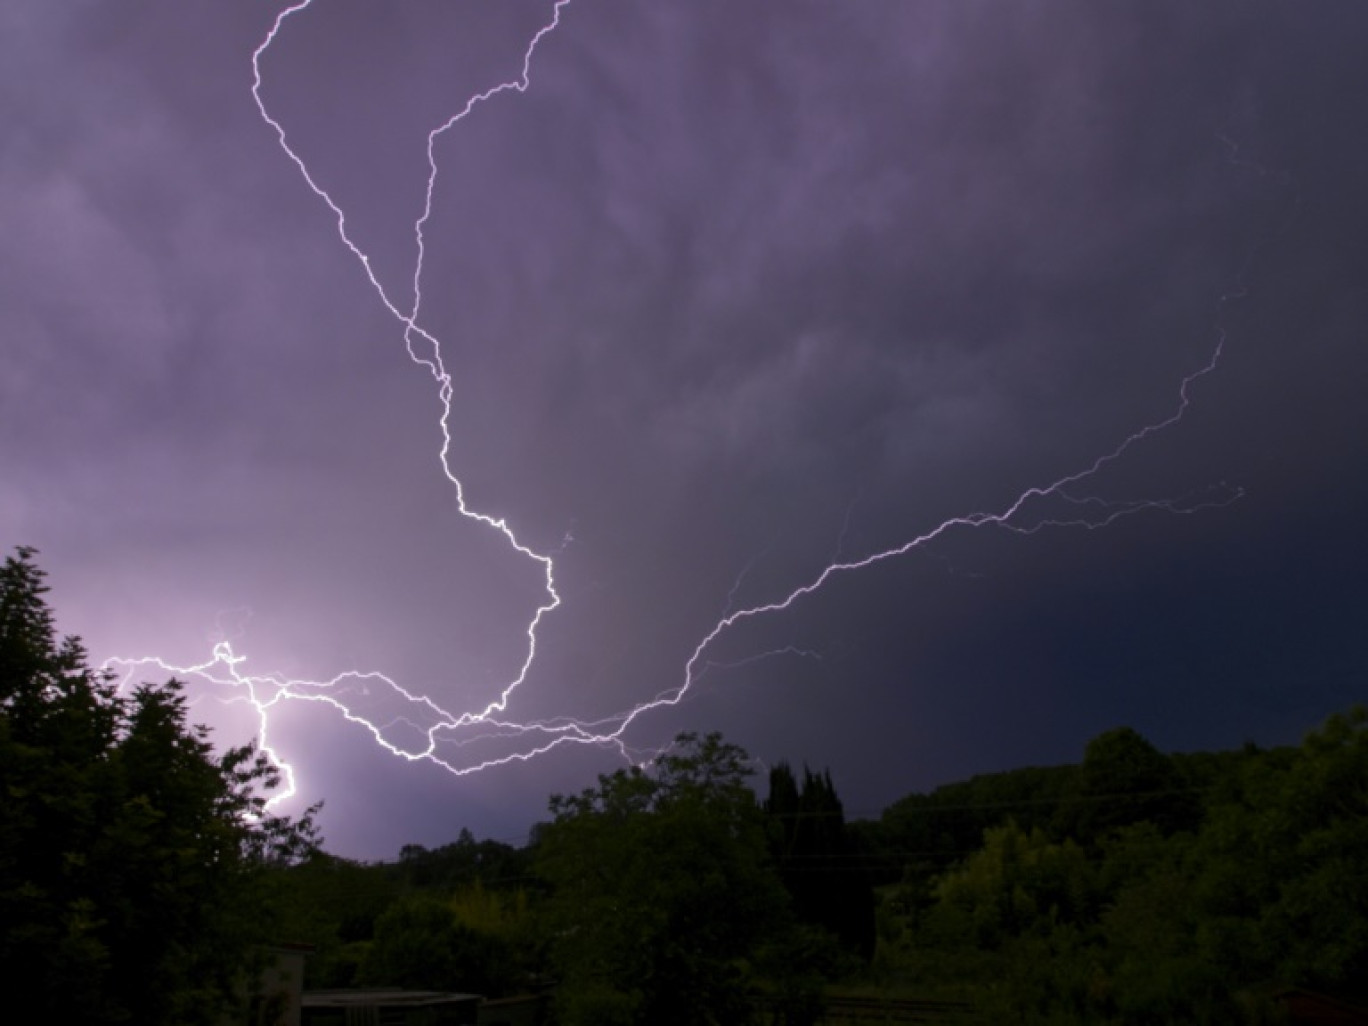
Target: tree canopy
[(129, 850), (1144, 888), (662, 890)]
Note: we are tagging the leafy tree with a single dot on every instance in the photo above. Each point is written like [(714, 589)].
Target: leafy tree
[(662, 890), (1149, 937), (921, 834), (331, 904), (1018, 881), (130, 856), (420, 943), (464, 862), (1124, 779), (1280, 873), (1144, 923)]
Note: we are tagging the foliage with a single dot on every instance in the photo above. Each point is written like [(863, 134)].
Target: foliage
[(464, 862), (661, 890), (928, 833), (1282, 874), (1141, 921), (1015, 881), (1124, 779), (817, 858), (130, 857), (420, 943), (468, 898), (331, 904)]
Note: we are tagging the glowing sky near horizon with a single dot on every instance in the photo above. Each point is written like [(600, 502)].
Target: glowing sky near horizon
[(722, 300)]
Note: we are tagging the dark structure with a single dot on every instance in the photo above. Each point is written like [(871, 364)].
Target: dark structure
[(388, 1008)]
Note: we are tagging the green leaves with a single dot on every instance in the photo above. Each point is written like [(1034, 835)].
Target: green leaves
[(129, 855), (1281, 859), (661, 890), (1135, 921)]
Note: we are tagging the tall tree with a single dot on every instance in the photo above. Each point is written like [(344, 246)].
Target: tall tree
[(661, 890), (129, 852), (817, 858)]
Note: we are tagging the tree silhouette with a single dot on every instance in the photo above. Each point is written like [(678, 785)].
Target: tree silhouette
[(817, 858), (661, 890), (129, 852)]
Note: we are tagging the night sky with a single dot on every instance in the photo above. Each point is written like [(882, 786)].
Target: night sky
[(730, 293)]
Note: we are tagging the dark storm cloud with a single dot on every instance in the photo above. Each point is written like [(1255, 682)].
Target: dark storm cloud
[(729, 292)]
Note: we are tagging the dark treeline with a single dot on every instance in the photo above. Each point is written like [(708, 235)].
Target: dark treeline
[(1131, 887), (139, 873), (1136, 887), (449, 918), (1122, 779), (666, 894)]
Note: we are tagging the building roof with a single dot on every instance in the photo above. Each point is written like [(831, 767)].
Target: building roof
[(387, 997)]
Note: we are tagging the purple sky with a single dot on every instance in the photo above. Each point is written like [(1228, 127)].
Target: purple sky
[(730, 293)]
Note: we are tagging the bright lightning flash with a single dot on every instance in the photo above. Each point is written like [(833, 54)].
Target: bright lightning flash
[(423, 730)]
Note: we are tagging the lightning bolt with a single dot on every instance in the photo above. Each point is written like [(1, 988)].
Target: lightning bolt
[(413, 727)]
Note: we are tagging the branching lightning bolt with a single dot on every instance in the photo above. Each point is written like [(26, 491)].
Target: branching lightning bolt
[(421, 729)]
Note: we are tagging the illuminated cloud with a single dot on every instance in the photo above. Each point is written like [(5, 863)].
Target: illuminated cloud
[(725, 298)]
